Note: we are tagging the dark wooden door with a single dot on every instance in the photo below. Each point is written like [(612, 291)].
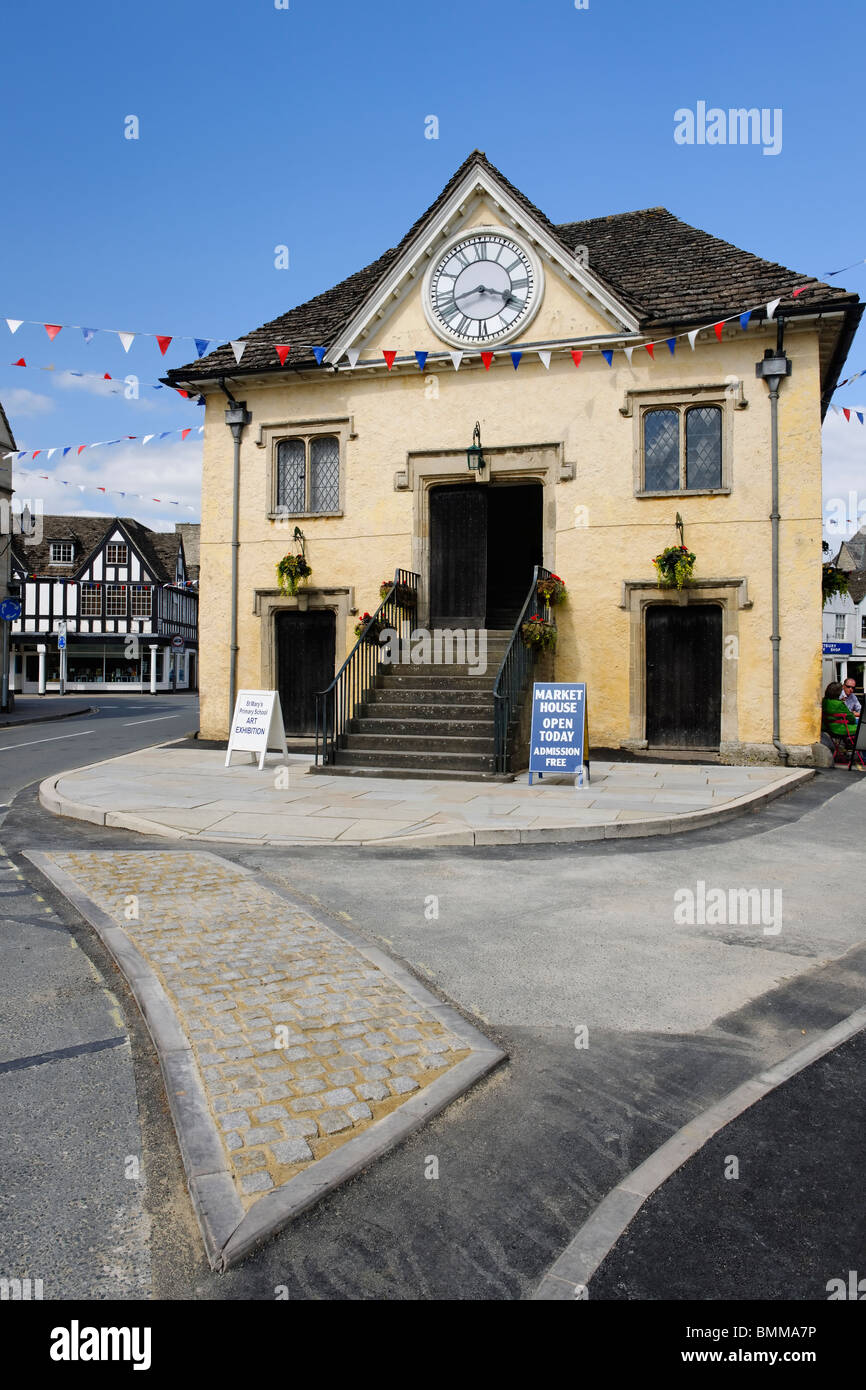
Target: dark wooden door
[(514, 548), (684, 675), (305, 665), (458, 555)]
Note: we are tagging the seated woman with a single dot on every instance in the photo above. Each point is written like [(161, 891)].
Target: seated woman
[(837, 719)]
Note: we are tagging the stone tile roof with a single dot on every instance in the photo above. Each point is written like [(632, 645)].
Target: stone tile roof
[(158, 549), (665, 271)]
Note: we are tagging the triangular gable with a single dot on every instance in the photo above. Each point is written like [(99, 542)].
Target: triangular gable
[(116, 531), (479, 182)]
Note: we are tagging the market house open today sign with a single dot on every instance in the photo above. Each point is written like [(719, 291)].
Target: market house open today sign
[(558, 730)]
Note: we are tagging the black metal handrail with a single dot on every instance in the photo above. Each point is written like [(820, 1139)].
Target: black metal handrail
[(513, 675), (336, 706)]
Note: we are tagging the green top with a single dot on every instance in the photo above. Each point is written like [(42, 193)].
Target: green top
[(834, 722)]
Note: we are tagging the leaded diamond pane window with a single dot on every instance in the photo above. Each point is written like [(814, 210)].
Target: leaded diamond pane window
[(308, 475), (704, 447), (661, 441), (325, 474), (292, 475)]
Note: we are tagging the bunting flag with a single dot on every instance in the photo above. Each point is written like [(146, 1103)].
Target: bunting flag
[(456, 359), (389, 355), (201, 346), (629, 353), (487, 358), (421, 359), (52, 329), (515, 359), (744, 319), (772, 307), (282, 352), (126, 339), (608, 357), (184, 431), (672, 345), (544, 354), (651, 349), (319, 353), (843, 412), (163, 343), (692, 336), (577, 356), (717, 329), (353, 354), (851, 378), (237, 348), (14, 324), (845, 267), (89, 334)]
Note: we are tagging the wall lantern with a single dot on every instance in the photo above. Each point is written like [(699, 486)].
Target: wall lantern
[(474, 458)]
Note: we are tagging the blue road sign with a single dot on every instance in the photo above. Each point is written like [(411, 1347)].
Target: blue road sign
[(61, 641), (10, 609)]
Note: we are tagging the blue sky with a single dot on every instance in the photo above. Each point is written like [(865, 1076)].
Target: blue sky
[(305, 127)]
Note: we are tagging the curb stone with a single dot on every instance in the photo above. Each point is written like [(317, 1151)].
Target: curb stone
[(569, 1275), (230, 1233)]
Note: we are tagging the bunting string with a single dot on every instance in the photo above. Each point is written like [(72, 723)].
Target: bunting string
[(63, 449), (106, 491), (106, 376)]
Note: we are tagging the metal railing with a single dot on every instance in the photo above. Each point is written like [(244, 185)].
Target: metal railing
[(515, 670), (336, 706)]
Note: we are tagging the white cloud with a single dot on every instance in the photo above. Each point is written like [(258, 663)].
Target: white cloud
[(844, 451), (19, 402), (145, 473)]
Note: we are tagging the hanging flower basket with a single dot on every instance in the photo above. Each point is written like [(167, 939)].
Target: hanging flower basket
[(368, 627), (292, 570), (551, 591), (538, 633), (674, 567), (403, 595)]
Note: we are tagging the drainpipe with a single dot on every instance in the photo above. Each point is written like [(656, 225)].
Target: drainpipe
[(773, 368), (237, 416)]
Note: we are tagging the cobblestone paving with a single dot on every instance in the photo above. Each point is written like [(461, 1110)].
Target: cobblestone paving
[(301, 1042)]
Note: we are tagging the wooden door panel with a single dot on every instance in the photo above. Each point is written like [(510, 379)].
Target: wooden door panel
[(305, 665), (683, 675)]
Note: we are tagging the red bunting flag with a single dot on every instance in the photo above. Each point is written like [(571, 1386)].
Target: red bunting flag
[(845, 412), (163, 344), (389, 358), (19, 363), (717, 329), (52, 329), (106, 377), (282, 352), (100, 489), (81, 446), (487, 358), (799, 291), (36, 453), (651, 349), (577, 356), (183, 433), (185, 394)]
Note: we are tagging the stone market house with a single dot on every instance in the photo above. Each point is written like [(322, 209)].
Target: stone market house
[(120, 588), (586, 469)]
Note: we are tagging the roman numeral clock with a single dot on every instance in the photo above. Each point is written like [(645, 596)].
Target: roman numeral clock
[(484, 288)]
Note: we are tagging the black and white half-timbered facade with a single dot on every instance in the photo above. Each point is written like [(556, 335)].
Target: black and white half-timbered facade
[(120, 589)]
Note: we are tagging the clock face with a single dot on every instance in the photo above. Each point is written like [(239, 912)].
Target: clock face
[(484, 289)]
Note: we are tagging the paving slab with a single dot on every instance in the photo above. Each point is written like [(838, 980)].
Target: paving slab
[(292, 1054), (287, 803)]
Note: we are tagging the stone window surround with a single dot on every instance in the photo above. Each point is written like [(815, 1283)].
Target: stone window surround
[(637, 595), (516, 463), (272, 433), (728, 395), (268, 602)]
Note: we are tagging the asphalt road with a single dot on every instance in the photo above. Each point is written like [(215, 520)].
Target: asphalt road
[(532, 943), (72, 1209)]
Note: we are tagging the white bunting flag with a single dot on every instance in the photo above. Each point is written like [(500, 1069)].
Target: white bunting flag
[(694, 333), (81, 487), (773, 306), (126, 339), (628, 352), (146, 438), (544, 354), (14, 324), (353, 354), (456, 358), (48, 455), (238, 349)]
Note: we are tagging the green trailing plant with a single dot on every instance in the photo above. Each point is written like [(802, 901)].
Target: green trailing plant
[(552, 591), (833, 580), (536, 632), (292, 570), (674, 566)]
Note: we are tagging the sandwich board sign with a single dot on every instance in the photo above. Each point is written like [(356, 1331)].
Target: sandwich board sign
[(257, 725), (559, 728)]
